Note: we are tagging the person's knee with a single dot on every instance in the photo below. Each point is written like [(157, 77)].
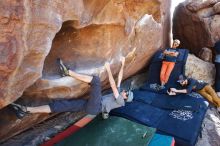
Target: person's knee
[(210, 89), (53, 108), (163, 70), (209, 97)]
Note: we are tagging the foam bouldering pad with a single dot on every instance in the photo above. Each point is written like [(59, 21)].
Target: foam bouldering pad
[(162, 140), (111, 132), (183, 125)]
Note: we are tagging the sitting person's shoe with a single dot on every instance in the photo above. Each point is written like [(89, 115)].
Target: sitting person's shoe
[(161, 87), (20, 110), (63, 69)]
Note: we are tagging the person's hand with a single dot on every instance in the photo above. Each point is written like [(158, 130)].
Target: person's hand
[(171, 93), (171, 53), (107, 65), (122, 59), (173, 89), (174, 54)]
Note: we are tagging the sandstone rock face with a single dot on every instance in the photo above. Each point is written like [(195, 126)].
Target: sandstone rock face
[(84, 33), (85, 51), (199, 69), (196, 23), (89, 33)]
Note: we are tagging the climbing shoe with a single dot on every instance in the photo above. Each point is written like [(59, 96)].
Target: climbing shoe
[(63, 69), (20, 110)]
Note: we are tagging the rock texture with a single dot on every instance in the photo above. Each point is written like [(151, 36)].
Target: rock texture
[(46, 129), (92, 32), (84, 34), (210, 129), (205, 54), (199, 69), (196, 23)]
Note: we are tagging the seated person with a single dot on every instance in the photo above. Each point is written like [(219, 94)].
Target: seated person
[(201, 87), (168, 63), (94, 105)]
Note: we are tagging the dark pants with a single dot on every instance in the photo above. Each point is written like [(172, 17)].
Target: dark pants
[(217, 77), (91, 106)]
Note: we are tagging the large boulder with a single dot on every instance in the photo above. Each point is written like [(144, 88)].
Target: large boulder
[(196, 23), (84, 34), (199, 69)]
